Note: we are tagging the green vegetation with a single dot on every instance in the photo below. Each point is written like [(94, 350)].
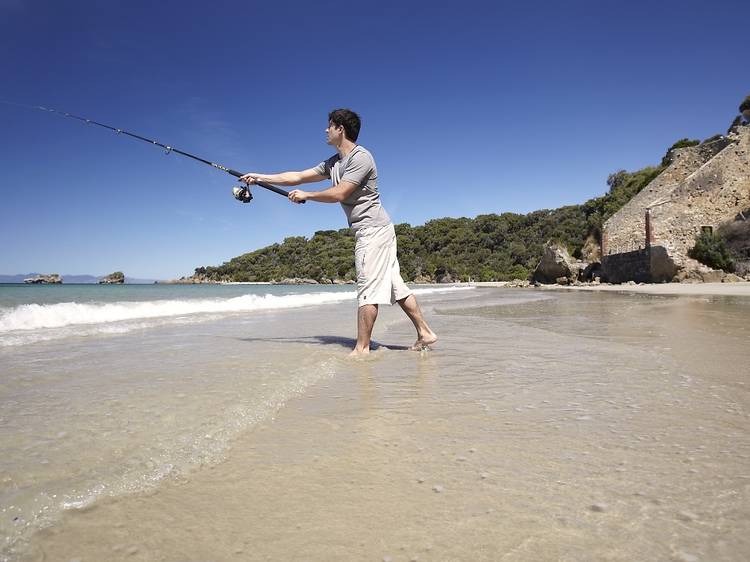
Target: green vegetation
[(745, 105), (683, 143), (487, 248), (736, 234), (711, 249)]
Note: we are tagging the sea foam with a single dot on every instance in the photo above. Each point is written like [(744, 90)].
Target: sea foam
[(41, 316)]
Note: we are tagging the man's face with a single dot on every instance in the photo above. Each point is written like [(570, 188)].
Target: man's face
[(334, 134)]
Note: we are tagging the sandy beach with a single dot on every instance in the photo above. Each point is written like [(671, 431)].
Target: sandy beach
[(545, 425)]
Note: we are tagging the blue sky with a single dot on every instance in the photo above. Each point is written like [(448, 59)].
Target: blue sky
[(468, 108)]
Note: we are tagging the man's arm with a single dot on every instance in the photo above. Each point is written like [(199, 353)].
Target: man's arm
[(285, 178), (335, 194)]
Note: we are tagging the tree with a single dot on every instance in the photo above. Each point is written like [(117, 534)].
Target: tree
[(489, 247)]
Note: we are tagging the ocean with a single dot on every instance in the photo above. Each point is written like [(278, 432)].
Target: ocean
[(196, 423), (107, 390)]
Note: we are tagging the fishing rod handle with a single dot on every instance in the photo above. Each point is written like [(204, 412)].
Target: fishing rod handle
[(268, 186)]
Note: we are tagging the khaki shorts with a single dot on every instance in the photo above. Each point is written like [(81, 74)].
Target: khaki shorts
[(378, 274)]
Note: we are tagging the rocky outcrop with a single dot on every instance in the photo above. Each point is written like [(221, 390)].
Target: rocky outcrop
[(695, 272), (591, 251), (557, 266), (296, 281), (703, 187), (192, 280), (50, 279), (116, 278)]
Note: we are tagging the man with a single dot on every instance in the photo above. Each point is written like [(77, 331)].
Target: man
[(354, 179)]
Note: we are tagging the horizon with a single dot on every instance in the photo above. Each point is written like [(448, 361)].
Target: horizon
[(491, 109), (63, 275)]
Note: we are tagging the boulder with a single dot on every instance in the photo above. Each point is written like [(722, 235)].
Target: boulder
[(732, 278), (444, 277), (693, 271), (555, 263)]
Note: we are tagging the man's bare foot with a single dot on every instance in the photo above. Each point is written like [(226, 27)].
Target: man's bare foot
[(356, 352), (424, 341)]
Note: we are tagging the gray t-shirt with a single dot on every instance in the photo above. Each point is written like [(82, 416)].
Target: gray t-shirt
[(362, 207)]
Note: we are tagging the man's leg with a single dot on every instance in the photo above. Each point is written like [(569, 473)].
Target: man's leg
[(425, 336), (366, 315)]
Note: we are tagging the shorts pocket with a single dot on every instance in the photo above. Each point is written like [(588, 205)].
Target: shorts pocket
[(359, 265)]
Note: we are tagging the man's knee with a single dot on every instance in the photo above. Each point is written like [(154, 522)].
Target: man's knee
[(407, 300)]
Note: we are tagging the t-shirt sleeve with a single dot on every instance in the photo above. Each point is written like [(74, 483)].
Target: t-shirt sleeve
[(322, 169), (358, 169)]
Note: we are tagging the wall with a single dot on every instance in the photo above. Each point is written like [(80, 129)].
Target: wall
[(650, 265)]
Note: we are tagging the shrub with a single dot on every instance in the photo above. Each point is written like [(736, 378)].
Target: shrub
[(682, 143), (736, 234), (711, 250)]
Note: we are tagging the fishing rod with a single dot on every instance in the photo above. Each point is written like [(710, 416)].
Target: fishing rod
[(241, 193)]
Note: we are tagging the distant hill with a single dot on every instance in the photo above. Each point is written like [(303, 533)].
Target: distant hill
[(69, 279), (485, 248)]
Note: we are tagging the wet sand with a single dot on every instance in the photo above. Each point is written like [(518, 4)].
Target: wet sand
[(544, 426), (741, 289)]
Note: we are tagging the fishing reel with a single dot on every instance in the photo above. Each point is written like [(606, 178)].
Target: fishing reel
[(242, 194)]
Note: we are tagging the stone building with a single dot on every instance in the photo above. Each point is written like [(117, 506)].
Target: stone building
[(704, 185)]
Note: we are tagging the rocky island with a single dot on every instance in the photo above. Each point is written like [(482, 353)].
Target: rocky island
[(116, 278), (44, 279)]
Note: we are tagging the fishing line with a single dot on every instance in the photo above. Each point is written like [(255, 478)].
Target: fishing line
[(241, 193)]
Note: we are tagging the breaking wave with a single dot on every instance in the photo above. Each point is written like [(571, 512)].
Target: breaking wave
[(42, 317)]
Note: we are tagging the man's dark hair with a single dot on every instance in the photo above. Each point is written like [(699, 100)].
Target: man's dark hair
[(349, 120)]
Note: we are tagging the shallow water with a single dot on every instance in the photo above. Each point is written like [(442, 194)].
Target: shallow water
[(114, 391), (554, 426)]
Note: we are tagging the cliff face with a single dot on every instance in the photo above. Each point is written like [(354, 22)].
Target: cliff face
[(704, 186), (717, 192)]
